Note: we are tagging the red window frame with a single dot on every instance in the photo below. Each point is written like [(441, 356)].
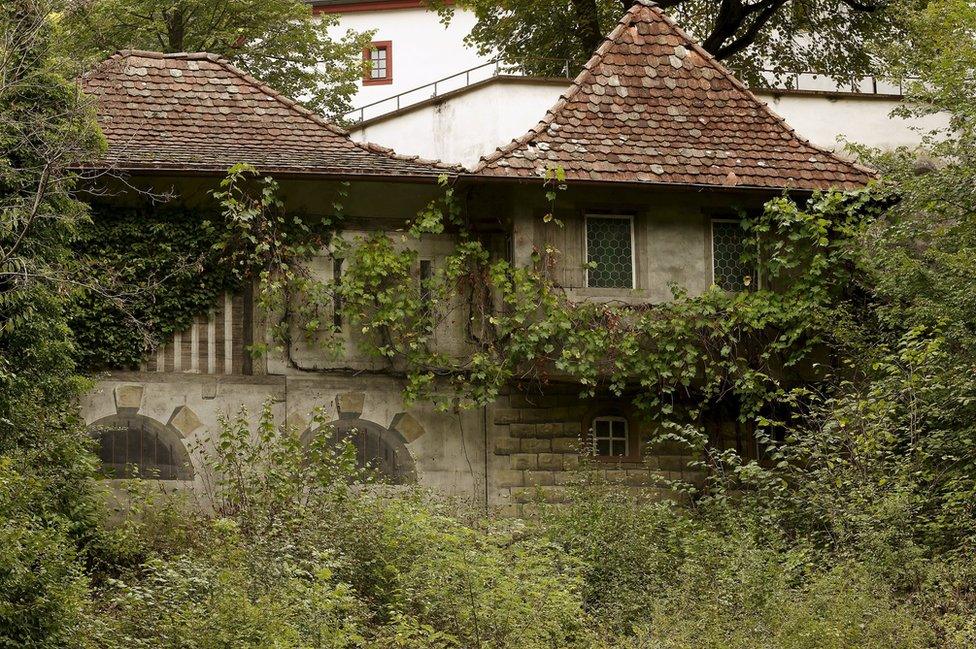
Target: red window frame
[(368, 79)]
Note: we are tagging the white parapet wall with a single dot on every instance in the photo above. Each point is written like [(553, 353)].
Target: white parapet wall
[(463, 125)]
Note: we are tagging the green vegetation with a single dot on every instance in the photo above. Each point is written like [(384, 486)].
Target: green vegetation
[(858, 530)]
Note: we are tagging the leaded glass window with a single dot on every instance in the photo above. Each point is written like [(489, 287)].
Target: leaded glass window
[(729, 271), (610, 437), (609, 252)]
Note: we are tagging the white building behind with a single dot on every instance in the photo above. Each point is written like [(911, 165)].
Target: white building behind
[(412, 47)]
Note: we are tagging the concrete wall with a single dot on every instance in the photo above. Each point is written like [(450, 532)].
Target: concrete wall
[(672, 232), (447, 449), (463, 126), (862, 119)]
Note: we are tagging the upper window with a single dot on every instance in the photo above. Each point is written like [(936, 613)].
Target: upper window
[(729, 272), (610, 437), (379, 59), (609, 251)]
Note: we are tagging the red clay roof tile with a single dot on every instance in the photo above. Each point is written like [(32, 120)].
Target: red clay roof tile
[(652, 105), (197, 112)]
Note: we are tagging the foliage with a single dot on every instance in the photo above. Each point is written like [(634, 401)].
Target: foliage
[(43, 587), (47, 508), (280, 561), (664, 576), (266, 244), (748, 37), (155, 271), (278, 41)]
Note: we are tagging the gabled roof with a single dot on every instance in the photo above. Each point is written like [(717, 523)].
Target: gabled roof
[(652, 106), (198, 113)]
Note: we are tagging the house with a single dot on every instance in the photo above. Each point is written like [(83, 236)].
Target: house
[(660, 145), (410, 46)]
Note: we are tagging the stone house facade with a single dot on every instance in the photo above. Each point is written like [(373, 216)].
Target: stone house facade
[(662, 149)]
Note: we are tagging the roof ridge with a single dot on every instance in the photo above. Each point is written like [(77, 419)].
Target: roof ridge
[(574, 88), (724, 71)]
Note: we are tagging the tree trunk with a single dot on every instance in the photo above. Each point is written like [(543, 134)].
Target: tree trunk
[(588, 23), (175, 30)]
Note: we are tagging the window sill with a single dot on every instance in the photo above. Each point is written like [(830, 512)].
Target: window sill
[(377, 82), (626, 295)]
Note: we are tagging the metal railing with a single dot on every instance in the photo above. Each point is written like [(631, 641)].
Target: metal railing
[(869, 84), (771, 80), (460, 80)]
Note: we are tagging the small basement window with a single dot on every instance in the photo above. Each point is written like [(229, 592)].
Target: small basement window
[(379, 57), (610, 437), (729, 271), (609, 251)]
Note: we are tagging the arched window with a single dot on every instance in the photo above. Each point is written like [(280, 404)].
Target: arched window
[(377, 449), (136, 446), (610, 436)]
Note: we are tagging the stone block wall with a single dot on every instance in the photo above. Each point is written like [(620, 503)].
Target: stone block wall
[(536, 444)]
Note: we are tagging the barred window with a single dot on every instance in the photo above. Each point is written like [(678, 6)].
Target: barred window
[(610, 437), (379, 451), (132, 446), (609, 252), (729, 272)]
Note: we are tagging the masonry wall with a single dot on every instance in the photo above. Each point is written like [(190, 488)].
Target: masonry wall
[(536, 443), (524, 447)]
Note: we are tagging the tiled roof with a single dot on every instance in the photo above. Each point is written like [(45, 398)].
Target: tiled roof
[(197, 112), (652, 106)]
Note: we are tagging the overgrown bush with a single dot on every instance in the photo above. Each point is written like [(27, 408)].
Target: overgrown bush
[(662, 575), (293, 550)]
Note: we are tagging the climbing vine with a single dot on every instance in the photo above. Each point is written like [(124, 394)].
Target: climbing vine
[(155, 270), (519, 326), (152, 270)]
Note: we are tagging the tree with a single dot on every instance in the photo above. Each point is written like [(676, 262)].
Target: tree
[(46, 507), (826, 36), (278, 41)]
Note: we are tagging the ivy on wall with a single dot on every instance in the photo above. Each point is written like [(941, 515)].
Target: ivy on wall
[(156, 269), (674, 359)]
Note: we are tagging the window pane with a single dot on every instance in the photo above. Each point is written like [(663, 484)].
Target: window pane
[(603, 447), (728, 244), (619, 448), (619, 429), (378, 59), (608, 246), (601, 427)]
